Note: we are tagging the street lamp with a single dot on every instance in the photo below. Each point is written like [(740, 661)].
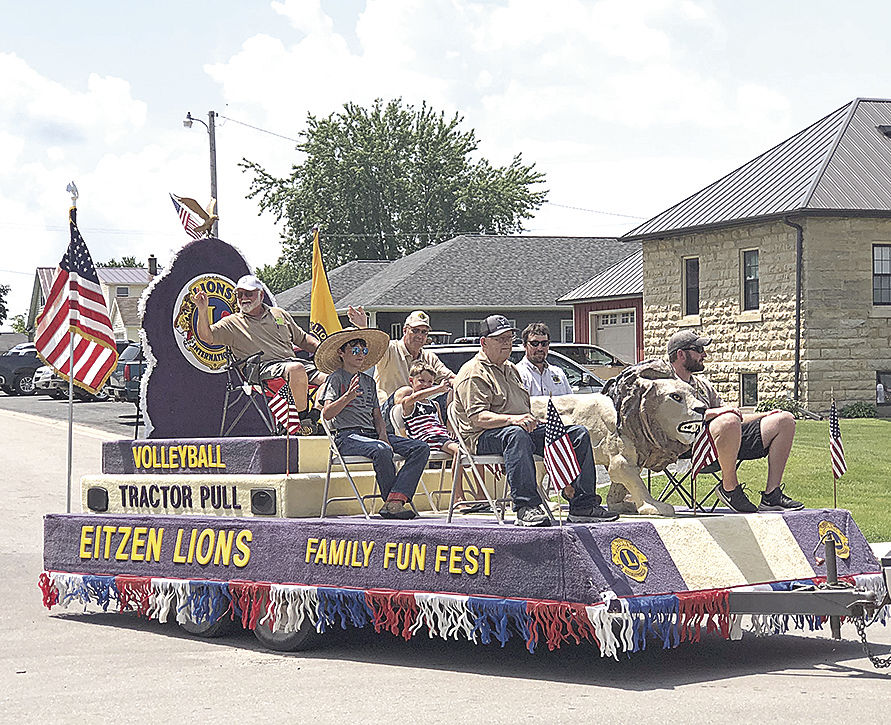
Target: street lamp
[(187, 123)]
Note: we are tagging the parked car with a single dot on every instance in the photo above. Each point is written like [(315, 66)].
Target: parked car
[(17, 367), (47, 381), (580, 380), (123, 385), (591, 357), (44, 380)]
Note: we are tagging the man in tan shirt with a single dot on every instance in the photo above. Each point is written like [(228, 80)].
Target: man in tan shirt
[(494, 417), (257, 327)]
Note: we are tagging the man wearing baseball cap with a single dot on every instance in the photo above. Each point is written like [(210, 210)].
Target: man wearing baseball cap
[(391, 372), (494, 416), (257, 327), (737, 437)]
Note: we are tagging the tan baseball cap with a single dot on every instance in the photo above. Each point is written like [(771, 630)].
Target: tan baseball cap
[(418, 318)]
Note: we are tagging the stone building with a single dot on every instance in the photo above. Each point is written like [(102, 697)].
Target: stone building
[(786, 263)]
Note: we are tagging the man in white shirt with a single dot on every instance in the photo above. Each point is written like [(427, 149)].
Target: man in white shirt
[(539, 377)]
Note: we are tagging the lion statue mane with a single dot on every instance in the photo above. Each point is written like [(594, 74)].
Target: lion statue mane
[(644, 418)]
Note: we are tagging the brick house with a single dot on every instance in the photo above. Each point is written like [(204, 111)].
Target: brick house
[(786, 263)]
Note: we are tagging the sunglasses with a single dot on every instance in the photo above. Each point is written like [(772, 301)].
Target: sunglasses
[(418, 332), (358, 350), (245, 293), (538, 343), (696, 348)]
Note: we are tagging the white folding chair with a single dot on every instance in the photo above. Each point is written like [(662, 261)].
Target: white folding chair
[(335, 456), (488, 459), (397, 418)]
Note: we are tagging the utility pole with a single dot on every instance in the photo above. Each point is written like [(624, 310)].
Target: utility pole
[(211, 132)]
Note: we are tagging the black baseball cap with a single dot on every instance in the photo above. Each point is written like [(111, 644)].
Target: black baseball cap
[(495, 325)]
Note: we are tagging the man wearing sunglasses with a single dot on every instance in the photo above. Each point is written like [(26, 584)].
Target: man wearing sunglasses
[(540, 377), (257, 327), (737, 437)]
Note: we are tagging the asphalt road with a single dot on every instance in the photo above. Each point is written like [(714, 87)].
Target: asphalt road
[(69, 666), (113, 417)]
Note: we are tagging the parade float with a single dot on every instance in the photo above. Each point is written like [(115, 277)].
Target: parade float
[(218, 531)]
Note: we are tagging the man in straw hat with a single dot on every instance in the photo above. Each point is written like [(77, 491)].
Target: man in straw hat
[(494, 416), (257, 327), (351, 404)]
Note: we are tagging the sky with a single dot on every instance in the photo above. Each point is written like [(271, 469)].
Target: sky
[(626, 106)]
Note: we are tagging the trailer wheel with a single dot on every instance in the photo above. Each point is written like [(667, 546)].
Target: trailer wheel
[(208, 630), (304, 638)]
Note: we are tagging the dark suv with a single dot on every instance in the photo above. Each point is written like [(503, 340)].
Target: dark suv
[(580, 380), (123, 384), (17, 368)]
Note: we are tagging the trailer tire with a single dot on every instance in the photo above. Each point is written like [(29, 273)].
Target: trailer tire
[(210, 630), (304, 638)]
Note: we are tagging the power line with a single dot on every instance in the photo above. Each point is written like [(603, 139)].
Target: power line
[(595, 211), (257, 128)]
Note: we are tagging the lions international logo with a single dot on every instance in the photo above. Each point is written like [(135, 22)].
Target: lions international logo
[(220, 303), (842, 549), (629, 559)]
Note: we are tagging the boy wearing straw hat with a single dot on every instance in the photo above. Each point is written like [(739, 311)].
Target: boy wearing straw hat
[(351, 404)]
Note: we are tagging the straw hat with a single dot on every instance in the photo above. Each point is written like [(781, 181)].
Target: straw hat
[(328, 357)]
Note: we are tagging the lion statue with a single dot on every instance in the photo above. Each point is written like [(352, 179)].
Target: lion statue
[(646, 419)]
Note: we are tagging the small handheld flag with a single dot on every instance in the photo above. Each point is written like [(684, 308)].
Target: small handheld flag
[(559, 455), (191, 222), (704, 450), (836, 449), (283, 408)]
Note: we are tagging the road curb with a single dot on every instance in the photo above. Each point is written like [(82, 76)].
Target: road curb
[(85, 430)]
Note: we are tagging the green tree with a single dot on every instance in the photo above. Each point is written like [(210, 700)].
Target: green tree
[(19, 324), (125, 262), (4, 290), (384, 182)]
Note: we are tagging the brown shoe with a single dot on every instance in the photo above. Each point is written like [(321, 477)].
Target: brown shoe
[(396, 510)]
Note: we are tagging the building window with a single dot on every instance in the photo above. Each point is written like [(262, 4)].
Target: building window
[(881, 274), (748, 383), (750, 279), (883, 387), (396, 330), (691, 286), (627, 318), (121, 291), (567, 331)]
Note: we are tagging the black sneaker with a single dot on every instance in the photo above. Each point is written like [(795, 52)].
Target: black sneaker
[(532, 516), (777, 500), (736, 499), (591, 515)]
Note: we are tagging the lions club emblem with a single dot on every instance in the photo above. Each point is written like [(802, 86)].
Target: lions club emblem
[(842, 550), (629, 559), (220, 303)]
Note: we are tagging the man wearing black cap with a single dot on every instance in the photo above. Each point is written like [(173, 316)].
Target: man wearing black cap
[(494, 416), (737, 437)]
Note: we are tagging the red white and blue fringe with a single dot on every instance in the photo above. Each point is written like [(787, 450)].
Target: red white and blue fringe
[(614, 625)]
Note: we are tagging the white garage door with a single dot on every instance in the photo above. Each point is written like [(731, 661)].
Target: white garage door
[(615, 331)]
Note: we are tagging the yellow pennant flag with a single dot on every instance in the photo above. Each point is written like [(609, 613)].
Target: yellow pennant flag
[(322, 316)]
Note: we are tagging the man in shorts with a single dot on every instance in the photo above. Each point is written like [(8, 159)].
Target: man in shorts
[(737, 437), (257, 327)]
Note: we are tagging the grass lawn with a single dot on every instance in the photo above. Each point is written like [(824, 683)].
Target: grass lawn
[(865, 490)]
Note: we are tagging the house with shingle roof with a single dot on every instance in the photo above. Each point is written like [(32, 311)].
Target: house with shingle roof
[(786, 263), (461, 281)]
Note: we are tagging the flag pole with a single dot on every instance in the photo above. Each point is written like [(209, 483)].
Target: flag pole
[(834, 477), (72, 219)]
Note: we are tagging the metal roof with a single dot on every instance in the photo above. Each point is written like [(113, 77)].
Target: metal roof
[(123, 275), (841, 162), (620, 280)]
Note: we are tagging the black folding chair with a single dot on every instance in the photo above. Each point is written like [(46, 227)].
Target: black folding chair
[(244, 391), (682, 485)]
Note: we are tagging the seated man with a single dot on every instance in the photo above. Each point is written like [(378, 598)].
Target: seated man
[(539, 376), (257, 327), (351, 404), (493, 413), (737, 437)]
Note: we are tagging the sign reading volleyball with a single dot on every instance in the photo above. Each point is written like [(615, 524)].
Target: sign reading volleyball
[(220, 303)]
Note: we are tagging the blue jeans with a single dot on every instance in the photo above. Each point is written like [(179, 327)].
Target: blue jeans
[(517, 446), (415, 453)]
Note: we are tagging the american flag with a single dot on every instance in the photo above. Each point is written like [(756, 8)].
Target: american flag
[(282, 406), (75, 305), (189, 221), (836, 450), (704, 450), (559, 456)]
